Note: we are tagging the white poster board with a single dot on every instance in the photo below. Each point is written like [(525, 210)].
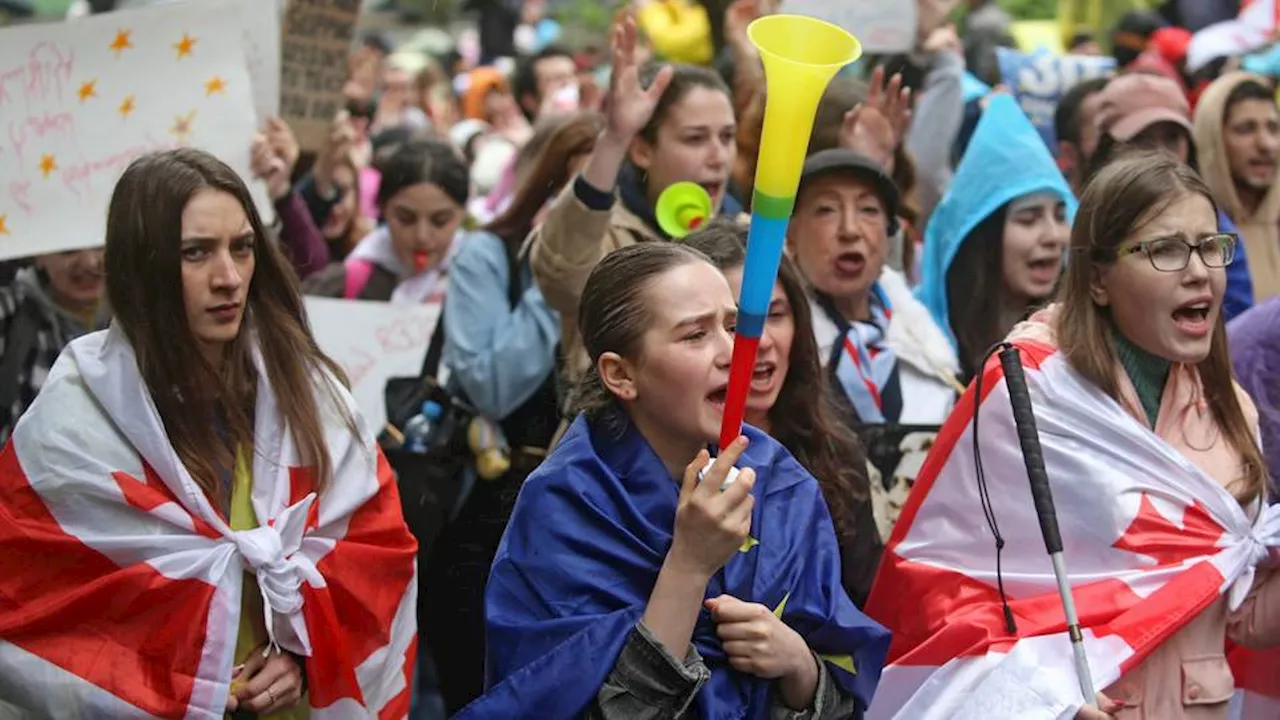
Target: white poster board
[(882, 26), (373, 341), (80, 100), (261, 26)]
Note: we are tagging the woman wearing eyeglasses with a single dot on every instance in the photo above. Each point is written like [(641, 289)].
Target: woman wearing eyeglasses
[(1146, 434)]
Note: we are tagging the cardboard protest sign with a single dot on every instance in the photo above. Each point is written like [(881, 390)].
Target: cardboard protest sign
[(373, 341), (882, 26), (313, 65), (1039, 80), (79, 101)]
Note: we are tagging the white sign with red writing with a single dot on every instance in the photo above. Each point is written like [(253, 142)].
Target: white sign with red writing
[(80, 100), (373, 342)]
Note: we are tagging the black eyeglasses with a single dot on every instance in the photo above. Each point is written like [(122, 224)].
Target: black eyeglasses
[(1172, 254)]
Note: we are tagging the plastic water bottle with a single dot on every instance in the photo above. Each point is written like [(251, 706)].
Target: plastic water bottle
[(417, 432)]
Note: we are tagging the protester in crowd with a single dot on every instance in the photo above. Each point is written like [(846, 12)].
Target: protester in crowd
[(197, 433), (1237, 130), (331, 191), (872, 123), (1143, 112), (789, 399), (1255, 348), (895, 369), (1133, 322), (662, 126), (547, 83), (601, 612), (56, 299), (1131, 372), (501, 348), (995, 245), (1076, 128), (422, 198)]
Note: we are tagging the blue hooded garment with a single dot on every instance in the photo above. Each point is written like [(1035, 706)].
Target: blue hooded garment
[(581, 554), (1005, 160)]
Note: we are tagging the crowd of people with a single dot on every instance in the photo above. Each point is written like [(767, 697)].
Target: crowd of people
[(617, 563)]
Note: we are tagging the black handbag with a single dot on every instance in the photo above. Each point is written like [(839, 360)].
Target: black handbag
[(430, 482)]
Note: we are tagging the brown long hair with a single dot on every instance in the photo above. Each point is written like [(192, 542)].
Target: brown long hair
[(546, 177), (804, 418), (1120, 200), (975, 285), (144, 287)]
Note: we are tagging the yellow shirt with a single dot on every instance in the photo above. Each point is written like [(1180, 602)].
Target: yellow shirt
[(253, 630)]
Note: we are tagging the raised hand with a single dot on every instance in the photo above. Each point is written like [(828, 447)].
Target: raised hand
[(283, 142), (630, 104), (944, 39), (270, 168), (737, 17), (877, 126)]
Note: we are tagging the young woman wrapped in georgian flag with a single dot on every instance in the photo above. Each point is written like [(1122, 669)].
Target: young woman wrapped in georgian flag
[(194, 519), (1159, 484)]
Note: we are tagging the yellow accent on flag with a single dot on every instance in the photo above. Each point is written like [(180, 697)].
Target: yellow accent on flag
[(777, 612), (844, 662), (747, 544)]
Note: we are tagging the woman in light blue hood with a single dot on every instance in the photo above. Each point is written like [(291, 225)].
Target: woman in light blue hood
[(996, 244)]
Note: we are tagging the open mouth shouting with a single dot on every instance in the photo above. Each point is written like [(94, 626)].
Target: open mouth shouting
[(1194, 318)]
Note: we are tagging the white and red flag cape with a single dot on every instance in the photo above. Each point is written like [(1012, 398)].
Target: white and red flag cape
[(1149, 540), (120, 584)]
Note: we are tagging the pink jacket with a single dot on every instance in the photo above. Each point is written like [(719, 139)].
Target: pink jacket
[(1188, 676)]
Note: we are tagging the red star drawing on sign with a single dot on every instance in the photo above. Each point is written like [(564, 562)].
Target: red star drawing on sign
[(122, 42), (184, 45), (4, 227), (1153, 535), (126, 106)]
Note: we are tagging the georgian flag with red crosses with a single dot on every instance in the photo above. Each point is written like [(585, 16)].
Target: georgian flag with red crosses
[(120, 585), (1150, 541)]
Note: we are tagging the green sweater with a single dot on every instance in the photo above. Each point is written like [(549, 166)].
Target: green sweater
[(1147, 372)]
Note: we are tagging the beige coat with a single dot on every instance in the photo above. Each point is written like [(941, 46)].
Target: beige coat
[(1260, 230), (563, 252)]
